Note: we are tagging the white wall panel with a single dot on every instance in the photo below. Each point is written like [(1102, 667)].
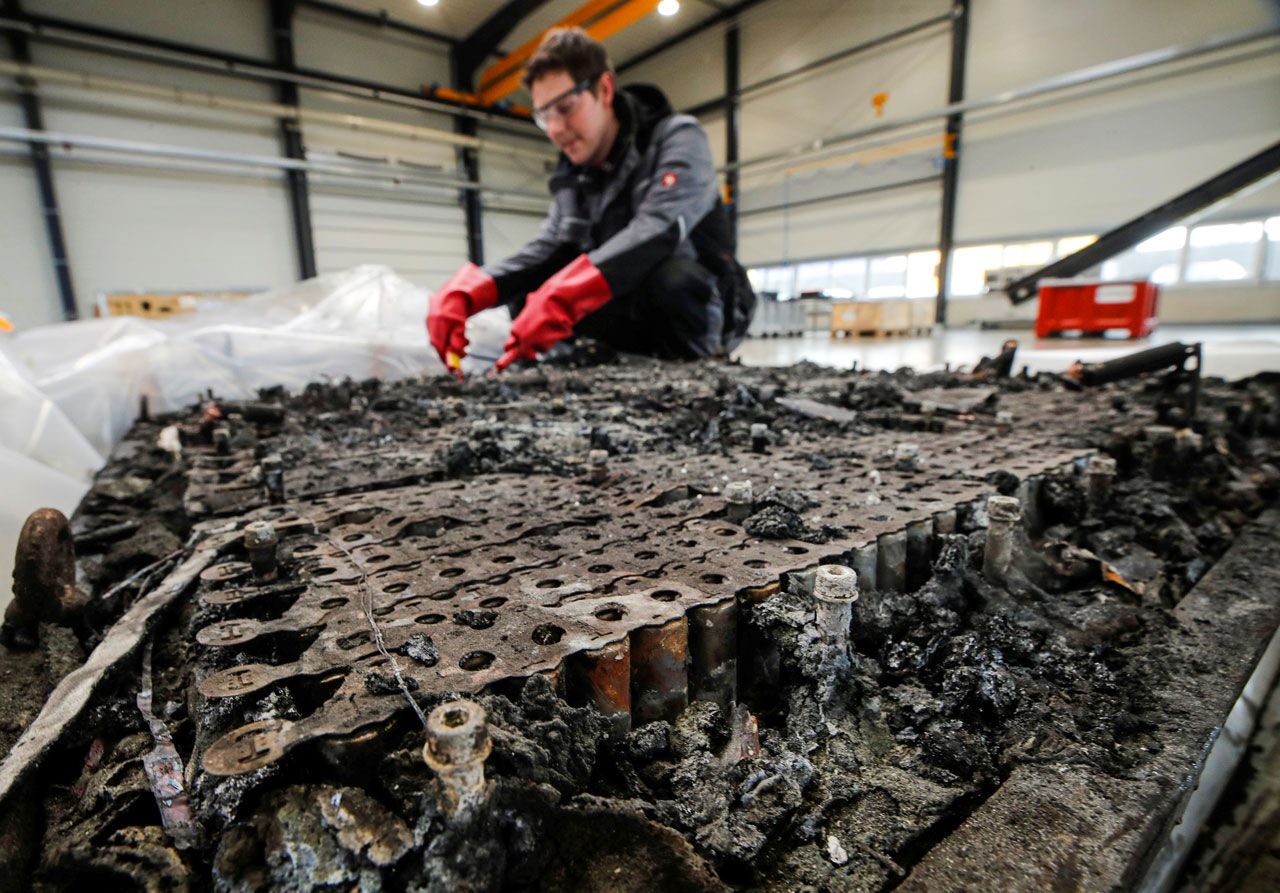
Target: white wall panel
[(235, 26), (689, 73), (505, 232), (149, 229), (1016, 42), (422, 241), (1091, 163), (903, 219)]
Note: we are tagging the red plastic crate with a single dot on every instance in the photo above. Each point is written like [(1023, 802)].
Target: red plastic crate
[(1094, 307)]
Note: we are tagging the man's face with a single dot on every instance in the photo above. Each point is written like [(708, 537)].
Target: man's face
[(577, 122)]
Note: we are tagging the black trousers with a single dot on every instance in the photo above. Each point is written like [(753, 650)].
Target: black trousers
[(677, 313)]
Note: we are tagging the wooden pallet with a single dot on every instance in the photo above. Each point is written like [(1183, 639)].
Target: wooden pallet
[(910, 332)]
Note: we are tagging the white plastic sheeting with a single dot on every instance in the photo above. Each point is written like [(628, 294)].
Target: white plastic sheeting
[(69, 392)]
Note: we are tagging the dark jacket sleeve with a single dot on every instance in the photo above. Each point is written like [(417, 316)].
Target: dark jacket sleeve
[(680, 192), (536, 260)]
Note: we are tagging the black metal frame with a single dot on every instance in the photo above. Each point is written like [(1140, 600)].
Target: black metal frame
[(1140, 228), (466, 58), (951, 157), (34, 120), (291, 139), (733, 115), (677, 39)]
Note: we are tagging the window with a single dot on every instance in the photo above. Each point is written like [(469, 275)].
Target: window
[(887, 277), (1157, 259), (969, 267), (849, 278), (1027, 254), (1224, 252), (813, 277), (1072, 244), (780, 281), (1271, 264), (922, 274)]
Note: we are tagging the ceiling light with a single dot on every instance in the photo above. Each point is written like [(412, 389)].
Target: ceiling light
[(428, 2), (668, 7)]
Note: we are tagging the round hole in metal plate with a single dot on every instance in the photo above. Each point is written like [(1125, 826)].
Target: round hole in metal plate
[(549, 584), (324, 571), (330, 603), (714, 579), (600, 568), (393, 588), (756, 563), (352, 537), (796, 550), (726, 531), (665, 595), (504, 559), (428, 619), (496, 602), (383, 611), (547, 634), (378, 559), (303, 548), (476, 660), (610, 613), (646, 555), (453, 572)]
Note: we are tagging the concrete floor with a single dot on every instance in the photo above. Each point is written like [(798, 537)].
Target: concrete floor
[(1230, 351)]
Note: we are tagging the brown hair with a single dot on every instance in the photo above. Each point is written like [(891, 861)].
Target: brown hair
[(570, 50)]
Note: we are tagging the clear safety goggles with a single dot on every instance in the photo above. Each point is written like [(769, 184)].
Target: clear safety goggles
[(563, 105)]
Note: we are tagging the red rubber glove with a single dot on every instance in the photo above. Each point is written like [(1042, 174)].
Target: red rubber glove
[(551, 312), (469, 291)]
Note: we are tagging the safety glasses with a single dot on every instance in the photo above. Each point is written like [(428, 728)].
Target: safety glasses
[(563, 105)]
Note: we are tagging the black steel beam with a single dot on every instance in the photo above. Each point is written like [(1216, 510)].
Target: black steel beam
[(951, 157), (34, 120), (840, 196), (677, 39), (733, 115), (291, 139), (182, 55), (469, 167), (1143, 227), (378, 19), (477, 46)]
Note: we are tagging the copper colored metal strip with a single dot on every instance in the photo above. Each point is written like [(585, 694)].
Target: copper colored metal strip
[(602, 678), (713, 652), (660, 672)]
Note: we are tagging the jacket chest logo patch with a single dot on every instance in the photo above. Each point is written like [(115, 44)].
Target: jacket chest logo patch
[(669, 179)]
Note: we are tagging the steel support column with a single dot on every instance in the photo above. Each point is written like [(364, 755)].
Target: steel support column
[(951, 156), (733, 114), (291, 139), (40, 165), (469, 164)]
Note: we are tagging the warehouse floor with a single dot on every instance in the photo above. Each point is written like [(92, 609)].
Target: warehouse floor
[(1231, 351)]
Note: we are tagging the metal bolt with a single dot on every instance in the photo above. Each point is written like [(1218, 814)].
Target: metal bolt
[(598, 460), (1002, 514), (737, 497), (1098, 477), (759, 437), (44, 574), (260, 542), (222, 439), (457, 745), (1004, 421), (835, 589), (906, 457), (273, 478)]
